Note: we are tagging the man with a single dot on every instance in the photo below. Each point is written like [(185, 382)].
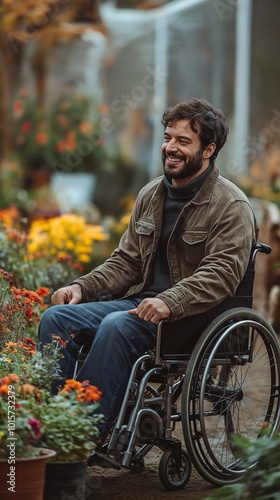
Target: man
[(185, 251)]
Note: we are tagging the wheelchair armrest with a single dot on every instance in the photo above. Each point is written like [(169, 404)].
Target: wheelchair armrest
[(158, 360)]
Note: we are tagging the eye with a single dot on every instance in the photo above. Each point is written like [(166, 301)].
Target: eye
[(184, 140)]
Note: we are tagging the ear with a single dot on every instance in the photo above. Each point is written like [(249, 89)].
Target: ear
[(209, 150)]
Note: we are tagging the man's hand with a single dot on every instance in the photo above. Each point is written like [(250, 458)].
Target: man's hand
[(67, 295), (152, 309)]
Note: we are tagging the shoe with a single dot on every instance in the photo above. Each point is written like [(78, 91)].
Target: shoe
[(98, 458)]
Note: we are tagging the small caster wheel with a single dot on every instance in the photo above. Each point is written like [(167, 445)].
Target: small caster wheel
[(137, 464), (170, 477)]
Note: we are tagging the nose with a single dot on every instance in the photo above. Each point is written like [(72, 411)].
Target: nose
[(172, 145)]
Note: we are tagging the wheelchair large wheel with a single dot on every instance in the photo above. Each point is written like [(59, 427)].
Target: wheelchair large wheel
[(170, 476), (231, 386)]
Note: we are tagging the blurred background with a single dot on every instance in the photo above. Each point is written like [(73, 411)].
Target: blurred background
[(83, 87)]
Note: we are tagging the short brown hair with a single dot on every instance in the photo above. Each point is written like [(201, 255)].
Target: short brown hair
[(209, 123)]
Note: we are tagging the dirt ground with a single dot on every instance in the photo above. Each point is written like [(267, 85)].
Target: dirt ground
[(105, 484)]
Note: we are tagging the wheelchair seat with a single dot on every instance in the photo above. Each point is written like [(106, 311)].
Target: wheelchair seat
[(219, 380)]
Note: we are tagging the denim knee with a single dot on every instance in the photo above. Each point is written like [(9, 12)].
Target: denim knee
[(49, 324)]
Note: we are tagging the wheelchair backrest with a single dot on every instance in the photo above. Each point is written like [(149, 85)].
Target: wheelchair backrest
[(177, 339)]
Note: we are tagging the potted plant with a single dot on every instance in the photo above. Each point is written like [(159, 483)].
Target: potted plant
[(69, 427), (66, 137), (22, 461), (65, 423), (32, 418)]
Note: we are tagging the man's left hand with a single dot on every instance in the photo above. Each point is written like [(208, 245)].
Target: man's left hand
[(152, 309)]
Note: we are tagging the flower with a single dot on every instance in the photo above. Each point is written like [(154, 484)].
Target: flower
[(66, 138), (31, 417), (19, 311), (19, 430), (41, 271), (66, 236), (69, 420)]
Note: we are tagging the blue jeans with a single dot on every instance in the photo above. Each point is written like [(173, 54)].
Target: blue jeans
[(119, 339)]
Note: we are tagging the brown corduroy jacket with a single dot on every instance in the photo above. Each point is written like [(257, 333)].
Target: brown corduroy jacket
[(208, 249)]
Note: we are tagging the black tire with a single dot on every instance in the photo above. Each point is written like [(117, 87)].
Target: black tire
[(168, 474), (236, 392)]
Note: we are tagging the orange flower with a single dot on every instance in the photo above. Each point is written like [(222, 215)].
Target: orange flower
[(19, 237), (79, 96), (9, 215), (4, 389), (71, 385), (6, 381), (29, 345), (43, 291), (59, 340), (89, 394), (85, 127), (70, 141), (41, 138), (18, 108), (64, 106), (27, 389), (11, 344), (62, 120), (103, 109), (60, 147)]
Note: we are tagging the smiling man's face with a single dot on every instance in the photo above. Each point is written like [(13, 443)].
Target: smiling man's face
[(182, 154)]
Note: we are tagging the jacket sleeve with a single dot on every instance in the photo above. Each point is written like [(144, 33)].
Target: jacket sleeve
[(119, 272)]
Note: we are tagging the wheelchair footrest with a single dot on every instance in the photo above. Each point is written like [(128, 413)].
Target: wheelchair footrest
[(102, 460)]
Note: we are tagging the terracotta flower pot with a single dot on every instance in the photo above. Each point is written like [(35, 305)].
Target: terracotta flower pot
[(24, 479)]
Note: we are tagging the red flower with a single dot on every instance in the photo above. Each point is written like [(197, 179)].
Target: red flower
[(29, 312), (26, 126), (35, 425)]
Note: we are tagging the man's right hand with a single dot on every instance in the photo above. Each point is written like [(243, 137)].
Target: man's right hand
[(67, 295)]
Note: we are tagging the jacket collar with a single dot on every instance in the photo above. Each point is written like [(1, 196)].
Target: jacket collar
[(203, 195)]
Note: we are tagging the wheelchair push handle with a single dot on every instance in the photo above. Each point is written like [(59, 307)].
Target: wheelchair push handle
[(262, 248)]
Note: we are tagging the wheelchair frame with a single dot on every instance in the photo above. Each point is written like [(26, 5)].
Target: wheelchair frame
[(228, 384)]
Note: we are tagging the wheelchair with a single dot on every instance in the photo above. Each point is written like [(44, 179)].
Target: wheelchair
[(220, 380)]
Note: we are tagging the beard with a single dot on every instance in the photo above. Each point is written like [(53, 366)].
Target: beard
[(189, 167)]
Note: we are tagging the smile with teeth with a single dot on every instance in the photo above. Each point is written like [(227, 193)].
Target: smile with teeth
[(173, 159)]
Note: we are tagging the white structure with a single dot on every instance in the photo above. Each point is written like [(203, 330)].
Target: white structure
[(192, 48)]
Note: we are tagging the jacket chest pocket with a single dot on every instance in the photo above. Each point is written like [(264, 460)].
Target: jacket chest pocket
[(193, 244), (145, 230)]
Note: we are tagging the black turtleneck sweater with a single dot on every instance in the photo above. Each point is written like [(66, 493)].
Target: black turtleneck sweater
[(175, 199)]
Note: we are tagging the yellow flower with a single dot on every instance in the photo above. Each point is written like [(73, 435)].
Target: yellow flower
[(66, 235)]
